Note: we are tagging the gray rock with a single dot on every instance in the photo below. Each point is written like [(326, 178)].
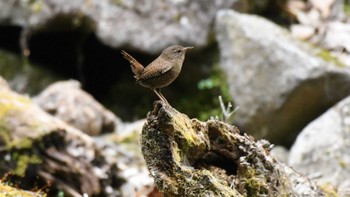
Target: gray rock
[(143, 25), (337, 36), (69, 103), (321, 150), (277, 82), (280, 153), (3, 84)]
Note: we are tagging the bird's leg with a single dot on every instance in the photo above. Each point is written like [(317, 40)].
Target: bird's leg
[(160, 96)]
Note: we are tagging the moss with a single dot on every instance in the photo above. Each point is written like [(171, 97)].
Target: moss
[(23, 161), (187, 178), (329, 190), (10, 103), (37, 6), (255, 184), (182, 125), (118, 2), (187, 138), (8, 191), (343, 163), (327, 56), (20, 143)]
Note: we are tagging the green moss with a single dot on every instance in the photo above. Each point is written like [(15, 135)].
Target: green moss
[(327, 56), (23, 161), (187, 138), (37, 6), (255, 184), (329, 190), (343, 163), (20, 143), (10, 103), (118, 2), (8, 191), (131, 138), (182, 125)]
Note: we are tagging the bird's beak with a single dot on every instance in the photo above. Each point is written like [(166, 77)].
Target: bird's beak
[(186, 48)]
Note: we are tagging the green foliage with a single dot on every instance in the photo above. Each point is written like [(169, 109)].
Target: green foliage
[(346, 8), (32, 78), (211, 88)]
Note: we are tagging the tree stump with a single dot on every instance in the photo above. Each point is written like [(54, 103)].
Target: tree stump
[(187, 157)]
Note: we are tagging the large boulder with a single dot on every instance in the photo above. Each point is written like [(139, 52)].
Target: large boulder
[(277, 82), (321, 150), (68, 102), (143, 25)]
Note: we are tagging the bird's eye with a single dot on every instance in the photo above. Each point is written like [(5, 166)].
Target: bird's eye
[(177, 50)]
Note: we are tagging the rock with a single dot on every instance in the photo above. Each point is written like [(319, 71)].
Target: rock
[(260, 6), (325, 24), (123, 147), (337, 36), (280, 153), (303, 32), (321, 150), (67, 101), (277, 82), (3, 84), (143, 25), (37, 149), (22, 76), (187, 157)]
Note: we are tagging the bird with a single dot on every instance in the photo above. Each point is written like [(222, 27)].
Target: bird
[(161, 72)]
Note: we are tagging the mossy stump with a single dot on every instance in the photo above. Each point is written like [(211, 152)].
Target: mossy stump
[(187, 157), (42, 153)]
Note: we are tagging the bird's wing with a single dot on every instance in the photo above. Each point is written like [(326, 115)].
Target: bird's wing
[(155, 69), (136, 67)]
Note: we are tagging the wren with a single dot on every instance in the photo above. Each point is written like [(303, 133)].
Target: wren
[(162, 71)]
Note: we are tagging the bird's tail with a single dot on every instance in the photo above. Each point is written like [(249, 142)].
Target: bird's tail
[(136, 67)]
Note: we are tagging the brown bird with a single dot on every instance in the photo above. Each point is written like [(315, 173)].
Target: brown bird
[(162, 71)]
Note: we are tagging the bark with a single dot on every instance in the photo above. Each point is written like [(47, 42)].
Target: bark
[(187, 157)]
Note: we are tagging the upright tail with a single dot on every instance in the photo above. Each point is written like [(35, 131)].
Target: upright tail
[(136, 67)]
